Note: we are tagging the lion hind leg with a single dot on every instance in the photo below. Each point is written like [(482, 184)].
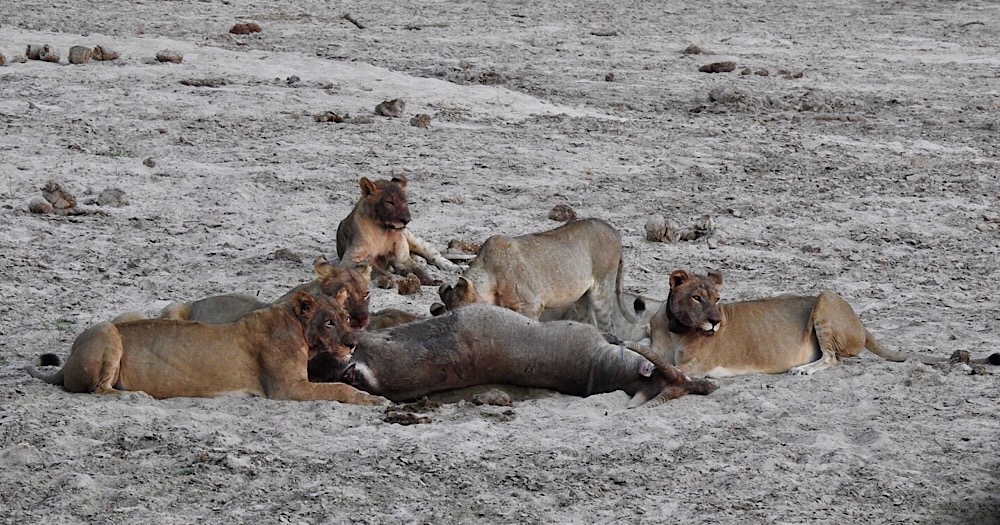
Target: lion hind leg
[(839, 333)]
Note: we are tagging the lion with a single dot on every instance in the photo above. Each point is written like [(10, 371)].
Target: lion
[(265, 353), (375, 231), (548, 271), (329, 281), (790, 333)]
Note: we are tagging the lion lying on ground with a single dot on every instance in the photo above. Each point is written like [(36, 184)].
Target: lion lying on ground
[(789, 333), (329, 281), (375, 231), (550, 270), (265, 353)]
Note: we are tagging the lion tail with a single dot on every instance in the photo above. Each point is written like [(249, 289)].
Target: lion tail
[(427, 251), (53, 379), (891, 355)]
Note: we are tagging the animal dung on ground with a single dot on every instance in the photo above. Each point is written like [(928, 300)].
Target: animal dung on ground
[(400, 417), (724, 66), (562, 213), (391, 108), (493, 396), (659, 229), (58, 197), (330, 116), (113, 197), (408, 286), (169, 55), (610, 77), (79, 54), (245, 28), (205, 82), (422, 120), (33, 52), (101, 53), (40, 206)]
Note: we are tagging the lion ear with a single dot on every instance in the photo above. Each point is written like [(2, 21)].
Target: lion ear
[(715, 277), (465, 288), (304, 304), (367, 187), (400, 180), (321, 267), (678, 278)]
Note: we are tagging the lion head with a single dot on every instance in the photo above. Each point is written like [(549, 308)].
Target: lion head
[(693, 303), (330, 280), (386, 199), (327, 329)]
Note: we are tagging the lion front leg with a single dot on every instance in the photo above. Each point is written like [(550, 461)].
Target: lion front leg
[(307, 391)]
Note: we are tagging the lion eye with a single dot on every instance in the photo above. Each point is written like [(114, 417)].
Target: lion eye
[(329, 323), (697, 298), (367, 295)]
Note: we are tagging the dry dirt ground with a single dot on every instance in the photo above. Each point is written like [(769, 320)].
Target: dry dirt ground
[(874, 173)]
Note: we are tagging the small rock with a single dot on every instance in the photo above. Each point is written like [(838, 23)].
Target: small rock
[(408, 286), (959, 356), (746, 71), (725, 66), (405, 418), (562, 213), (423, 120), (694, 49), (149, 163), (79, 55), (391, 108), (292, 80), (610, 77), (113, 197), (169, 55), (40, 206), (659, 229), (33, 52), (762, 72)]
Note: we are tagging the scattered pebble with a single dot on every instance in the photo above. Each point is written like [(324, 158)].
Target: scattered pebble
[(762, 72), (329, 116), (286, 254), (399, 417), (149, 163), (695, 49), (610, 77), (725, 66), (746, 71), (48, 54)]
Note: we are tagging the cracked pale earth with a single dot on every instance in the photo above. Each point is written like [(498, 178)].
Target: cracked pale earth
[(875, 174)]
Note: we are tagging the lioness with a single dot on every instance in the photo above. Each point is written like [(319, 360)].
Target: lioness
[(265, 353), (375, 231), (789, 333), (550, 270), (330, 280)]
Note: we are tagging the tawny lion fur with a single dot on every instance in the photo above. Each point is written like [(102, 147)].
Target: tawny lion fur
[(550, 270), (265, 353), (375, 231), (789, 333)]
